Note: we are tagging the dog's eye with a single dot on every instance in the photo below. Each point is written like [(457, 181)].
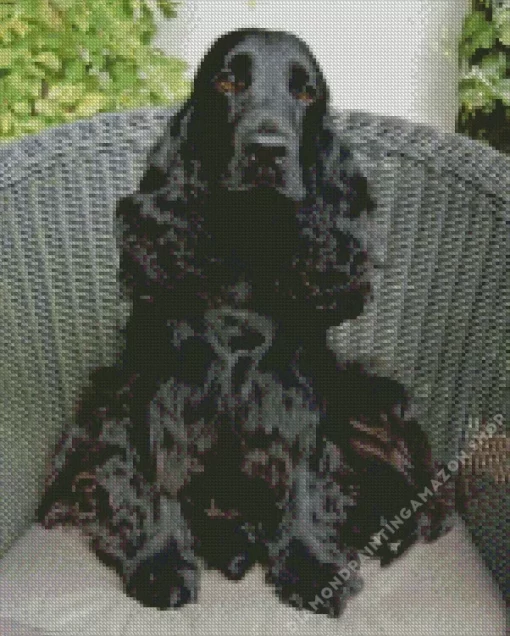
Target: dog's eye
[(227, 83), (307, 94), (299, 84)]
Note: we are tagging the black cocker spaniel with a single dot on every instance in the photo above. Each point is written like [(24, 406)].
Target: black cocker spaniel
[(228, 429)]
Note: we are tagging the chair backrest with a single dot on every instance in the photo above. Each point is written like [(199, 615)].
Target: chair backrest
[(438, 321)]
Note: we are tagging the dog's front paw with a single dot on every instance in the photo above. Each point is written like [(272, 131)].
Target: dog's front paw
[(164, 580), (303, 581)]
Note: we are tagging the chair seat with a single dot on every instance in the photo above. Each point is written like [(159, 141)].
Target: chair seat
[(51, 583)]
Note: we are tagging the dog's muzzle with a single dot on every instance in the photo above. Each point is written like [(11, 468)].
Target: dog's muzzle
[(266, 156)]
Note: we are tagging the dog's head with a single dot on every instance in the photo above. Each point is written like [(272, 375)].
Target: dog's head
[(255, 116), (254, 152)]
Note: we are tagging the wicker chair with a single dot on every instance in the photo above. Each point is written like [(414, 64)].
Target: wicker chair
[(438, 321)]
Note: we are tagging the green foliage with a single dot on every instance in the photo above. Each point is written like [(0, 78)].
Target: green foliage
[(62, 60), (484, 88)]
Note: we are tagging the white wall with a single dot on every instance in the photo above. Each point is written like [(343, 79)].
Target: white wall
[(392, 57)]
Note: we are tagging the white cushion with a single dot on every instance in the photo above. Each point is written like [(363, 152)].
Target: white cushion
[(51, 583)]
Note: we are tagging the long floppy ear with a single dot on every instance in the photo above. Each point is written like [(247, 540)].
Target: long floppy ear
[(195, 144), (317, 136), (166, 166), (330, 170), (184, 154), (175, 157), (342, 180)]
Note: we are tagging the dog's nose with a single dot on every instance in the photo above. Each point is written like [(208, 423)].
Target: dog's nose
[(266, 149)]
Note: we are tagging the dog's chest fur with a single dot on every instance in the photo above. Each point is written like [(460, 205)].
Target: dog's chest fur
[(236, 419)]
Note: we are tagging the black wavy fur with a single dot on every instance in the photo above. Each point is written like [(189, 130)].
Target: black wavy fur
[(228, 429)]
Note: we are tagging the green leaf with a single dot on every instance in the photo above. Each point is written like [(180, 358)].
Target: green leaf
[(6, 123), (494, 64), (473, 23), (90, 104), (126, 46), (503, 90), (66, 93), (30, 126), (145, 26), (97, 57), (28, 68), (81, 22), (40, 44), (161, 78), (124, 75), (21, 108), (49, 60), (502, 21), (474, 97), (20, 87), (106, 19), (63, 5), (485, 38), (74, 70), (477, 34), (6, 58), (18, 27), (167, 8), (47, 107)]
